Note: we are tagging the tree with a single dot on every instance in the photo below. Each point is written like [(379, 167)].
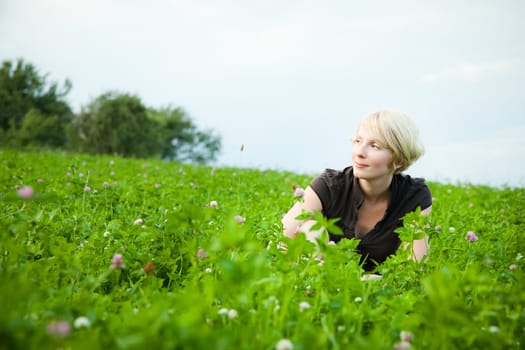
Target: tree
[(116, 123), (23, 89), (180, 138), (38, 129)]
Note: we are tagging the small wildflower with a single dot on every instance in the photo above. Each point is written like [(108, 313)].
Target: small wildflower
[(82, 322), (358, 299), (107, 234), (208, 270), (59, 329), (201, 254), (438, 228), (303, 305), (81, 175), (299, 192), (105, 184), (40, 181), (284, 344), (451, 229), (513, 266), (404, 345), (239, 219), (157, 186), (117, 262), (213, 204), (112, 174), (232, 314), (68, 174), (25, 192), (138, 222), (223, 311), (87, 189), (471, 236), (470, 205), (149, 268), (494, 329), (406, 336), (111, 162)]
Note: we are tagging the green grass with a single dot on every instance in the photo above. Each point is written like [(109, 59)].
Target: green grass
[(56, 249)]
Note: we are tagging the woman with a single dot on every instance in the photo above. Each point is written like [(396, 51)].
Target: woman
[(371, 196)]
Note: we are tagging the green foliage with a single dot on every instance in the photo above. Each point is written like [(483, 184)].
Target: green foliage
[(34, 114), (120, 124), (180, 139), (26, 94), (116, 124), (195, 277), (38, 129)]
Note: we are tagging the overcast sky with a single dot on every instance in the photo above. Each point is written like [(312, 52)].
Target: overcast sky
[(290, 79)]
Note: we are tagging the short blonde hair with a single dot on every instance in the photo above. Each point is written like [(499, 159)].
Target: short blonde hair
[(399, 133)]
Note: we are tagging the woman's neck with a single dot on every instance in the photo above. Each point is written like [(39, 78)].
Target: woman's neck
[(377, 189)]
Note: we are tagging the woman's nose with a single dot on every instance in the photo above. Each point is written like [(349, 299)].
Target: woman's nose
[(360, 150)]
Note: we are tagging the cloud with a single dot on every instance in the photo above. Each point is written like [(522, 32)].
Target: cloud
[(476, 71)]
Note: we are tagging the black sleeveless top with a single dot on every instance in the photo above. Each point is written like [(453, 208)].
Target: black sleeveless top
[(341, 197)]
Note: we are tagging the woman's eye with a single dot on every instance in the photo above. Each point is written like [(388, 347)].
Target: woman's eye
[(376, 146)]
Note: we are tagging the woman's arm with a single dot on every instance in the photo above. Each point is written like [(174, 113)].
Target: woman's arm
[(292, 226), (420, 246)]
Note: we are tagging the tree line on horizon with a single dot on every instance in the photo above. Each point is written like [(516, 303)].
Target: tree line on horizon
[(34, 114)]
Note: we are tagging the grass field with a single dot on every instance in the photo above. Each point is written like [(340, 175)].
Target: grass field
[(111, 253)]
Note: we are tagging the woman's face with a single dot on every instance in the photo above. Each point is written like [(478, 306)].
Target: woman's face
[(371, 159)]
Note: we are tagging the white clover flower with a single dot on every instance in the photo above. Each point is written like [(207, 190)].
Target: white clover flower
[(404, 345), (451, 229), (223, 311), (284, 344), (107, 234), (208, 270), (406, 336), (358, 299), (82, 322), (232, 314), (303, 305), (494, 329)]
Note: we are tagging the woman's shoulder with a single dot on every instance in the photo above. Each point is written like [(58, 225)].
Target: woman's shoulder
[(407, 180), (413, 187), (336, 177), (333, 178), (345, 173)]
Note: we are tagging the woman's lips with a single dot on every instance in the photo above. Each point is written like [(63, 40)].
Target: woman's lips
[(360, 165)]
